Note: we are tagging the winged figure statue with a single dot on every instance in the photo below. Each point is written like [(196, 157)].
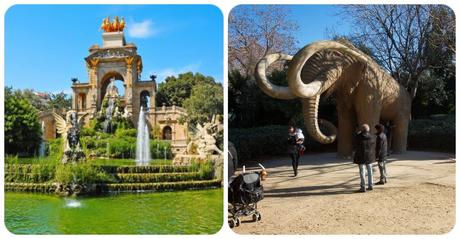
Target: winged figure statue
[(69, 129)]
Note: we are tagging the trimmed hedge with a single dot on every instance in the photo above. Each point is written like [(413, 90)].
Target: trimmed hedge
[(435, 133), (30, 173), (122, 145), (160, 177), (164, 186), (30, 187), (268, 140), (150, 169)]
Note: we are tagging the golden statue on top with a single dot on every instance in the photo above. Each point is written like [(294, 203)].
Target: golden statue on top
[(116, 25)]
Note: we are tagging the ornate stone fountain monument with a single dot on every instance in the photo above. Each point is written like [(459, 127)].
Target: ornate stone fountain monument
[(116, 60)]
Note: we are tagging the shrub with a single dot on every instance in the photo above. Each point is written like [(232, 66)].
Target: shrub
[(42, 171), (122, 147), (434, 133), (253, 143), (55, 148), (158, 147), (121, 133), (81, 173)]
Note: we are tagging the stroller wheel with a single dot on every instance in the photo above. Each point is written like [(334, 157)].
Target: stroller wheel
[(231, 223), (256, 217), (238, 222)]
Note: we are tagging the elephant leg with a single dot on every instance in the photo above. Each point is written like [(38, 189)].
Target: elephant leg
[(347, 122), (399, 134)]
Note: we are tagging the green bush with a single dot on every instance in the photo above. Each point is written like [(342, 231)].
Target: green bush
[(157, 149), (38, 172), (55, 148), (162, 177), (122, 147), (434, 133), (126, 133), (253, 143), (81, 173)]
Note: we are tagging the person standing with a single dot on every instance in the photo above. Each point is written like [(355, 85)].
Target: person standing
[(365, 156), (381, 152), (388, 133), (293, 149)]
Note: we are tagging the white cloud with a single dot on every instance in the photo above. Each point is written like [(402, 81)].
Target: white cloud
[(165, 72), (142, 29)]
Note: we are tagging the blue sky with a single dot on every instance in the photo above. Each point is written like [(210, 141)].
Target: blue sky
[(45, 45), (316, 22)]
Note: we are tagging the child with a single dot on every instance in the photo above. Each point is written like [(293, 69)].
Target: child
[(300, 138), (293, 149)]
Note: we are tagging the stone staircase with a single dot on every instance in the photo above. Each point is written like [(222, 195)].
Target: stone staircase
[(126, 179), (161, 178)]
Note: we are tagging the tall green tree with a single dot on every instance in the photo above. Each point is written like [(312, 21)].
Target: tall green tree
[(205, 101), (60, 101), (174, 90), (22, 128)]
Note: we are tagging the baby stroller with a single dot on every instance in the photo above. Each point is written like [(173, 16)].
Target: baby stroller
[(244, 191)]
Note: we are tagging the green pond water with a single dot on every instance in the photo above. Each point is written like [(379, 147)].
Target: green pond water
[(183, 212)]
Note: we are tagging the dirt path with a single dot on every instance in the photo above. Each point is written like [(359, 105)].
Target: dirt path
[(419, 198)]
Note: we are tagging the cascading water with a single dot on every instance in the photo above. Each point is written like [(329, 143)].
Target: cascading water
[(143, 140), (41, 150)]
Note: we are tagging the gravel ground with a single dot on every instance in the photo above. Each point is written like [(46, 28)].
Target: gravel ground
[(418, 199)]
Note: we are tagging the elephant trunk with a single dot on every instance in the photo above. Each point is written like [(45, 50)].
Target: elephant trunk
[(310, 112), (278, 92)]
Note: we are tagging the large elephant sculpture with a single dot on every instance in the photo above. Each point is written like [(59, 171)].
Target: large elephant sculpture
[(365, 92)]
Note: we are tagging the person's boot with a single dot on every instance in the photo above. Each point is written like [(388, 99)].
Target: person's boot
[(361, 190), (381, 182), (370, 188)]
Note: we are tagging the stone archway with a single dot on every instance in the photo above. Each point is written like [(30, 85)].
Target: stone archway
[(144, 100), (167, 133), (81, 101), (105, 81)]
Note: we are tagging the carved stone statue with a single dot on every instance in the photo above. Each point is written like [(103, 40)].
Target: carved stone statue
[(69, 128), (204, 139), (365, 92), (110, 111)]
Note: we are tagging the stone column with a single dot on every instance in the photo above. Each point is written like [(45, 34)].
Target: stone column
[(93, 82), (129, 87)]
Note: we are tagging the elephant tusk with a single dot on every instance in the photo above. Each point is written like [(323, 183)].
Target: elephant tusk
[(279, 92), (297, 86)]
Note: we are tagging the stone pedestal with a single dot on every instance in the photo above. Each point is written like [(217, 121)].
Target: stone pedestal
[(113, 39)]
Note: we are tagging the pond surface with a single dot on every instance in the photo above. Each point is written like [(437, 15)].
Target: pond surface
[(184, 212)]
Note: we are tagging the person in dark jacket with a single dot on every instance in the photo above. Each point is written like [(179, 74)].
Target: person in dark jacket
[(381, 152), (293, 149), (365, 156)]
